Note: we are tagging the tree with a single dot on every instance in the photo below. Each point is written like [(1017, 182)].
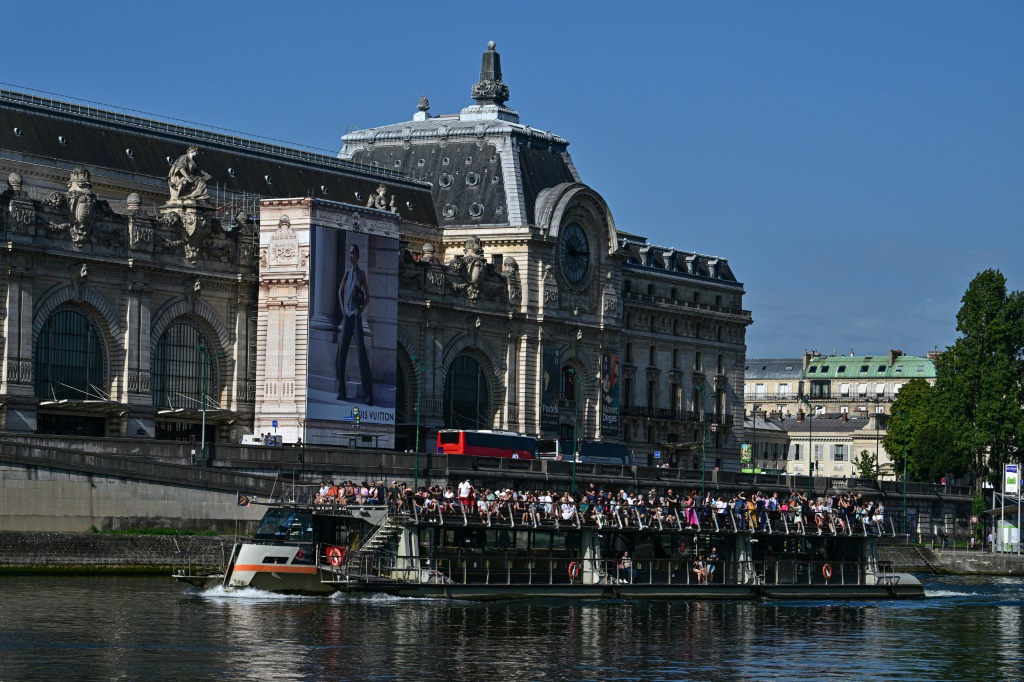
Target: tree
[(866, 466), (911, 414), (979, 378)]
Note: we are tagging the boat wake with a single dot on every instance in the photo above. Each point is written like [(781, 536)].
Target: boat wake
[(248, 594)]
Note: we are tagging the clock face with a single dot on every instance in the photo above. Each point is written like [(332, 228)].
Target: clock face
[(574, 253)]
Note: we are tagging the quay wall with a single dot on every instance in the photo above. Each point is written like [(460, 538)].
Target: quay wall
[(35, 498), (101, 553)]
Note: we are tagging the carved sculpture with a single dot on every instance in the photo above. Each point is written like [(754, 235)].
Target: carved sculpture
[(471, 265), (186, 180), (77, 205), (379, 200)]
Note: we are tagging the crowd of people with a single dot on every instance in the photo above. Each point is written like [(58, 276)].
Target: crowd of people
[(755, 511)]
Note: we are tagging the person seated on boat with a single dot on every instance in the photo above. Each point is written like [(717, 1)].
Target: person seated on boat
[(626, 571), (547, 500), (568, 508), (701, 570), (879, 515)]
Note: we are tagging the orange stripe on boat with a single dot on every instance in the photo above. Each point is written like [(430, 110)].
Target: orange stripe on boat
[(274, 568)]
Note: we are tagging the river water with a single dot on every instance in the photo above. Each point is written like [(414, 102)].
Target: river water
[(145, 628)]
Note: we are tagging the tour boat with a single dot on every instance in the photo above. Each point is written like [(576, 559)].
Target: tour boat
[(572, 552)]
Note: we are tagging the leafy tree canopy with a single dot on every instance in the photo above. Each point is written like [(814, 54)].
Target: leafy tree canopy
[(979, 379)]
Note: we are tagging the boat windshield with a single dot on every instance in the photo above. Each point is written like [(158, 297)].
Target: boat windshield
[(286, 524)]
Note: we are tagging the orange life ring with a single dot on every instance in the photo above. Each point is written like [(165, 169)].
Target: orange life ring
[(574, 570), (826, 571), (335, 555)]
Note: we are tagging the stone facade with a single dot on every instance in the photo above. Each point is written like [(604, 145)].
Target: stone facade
[(518, 303), (527, 260)]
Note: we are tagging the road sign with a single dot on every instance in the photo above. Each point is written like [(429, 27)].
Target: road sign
[(274, 423), (657, 454), (974, 519)]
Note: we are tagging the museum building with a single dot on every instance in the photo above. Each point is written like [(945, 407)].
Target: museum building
[(153, 280)]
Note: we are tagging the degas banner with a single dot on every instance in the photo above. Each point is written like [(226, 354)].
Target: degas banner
[(353, 337), (551, 376), (609, 395)]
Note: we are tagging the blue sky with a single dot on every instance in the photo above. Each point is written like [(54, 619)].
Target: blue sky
[(856, 163)]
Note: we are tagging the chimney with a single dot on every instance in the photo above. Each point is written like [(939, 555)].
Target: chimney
[(893, 354), (799, 415), (846, 417)]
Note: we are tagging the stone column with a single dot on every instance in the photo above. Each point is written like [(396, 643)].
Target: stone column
[(325, 263)]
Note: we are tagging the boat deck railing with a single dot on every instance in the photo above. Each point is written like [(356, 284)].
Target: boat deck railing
[(508, 515), (541, 571)]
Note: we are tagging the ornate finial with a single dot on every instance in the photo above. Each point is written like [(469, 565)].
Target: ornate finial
[(489, 89), (424, 104), (133, 203), (15, 182)]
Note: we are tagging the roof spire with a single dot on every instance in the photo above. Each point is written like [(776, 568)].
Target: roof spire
[(489, 89)]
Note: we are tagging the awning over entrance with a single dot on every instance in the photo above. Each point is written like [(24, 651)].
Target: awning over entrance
[(187, 414), (96, 408)]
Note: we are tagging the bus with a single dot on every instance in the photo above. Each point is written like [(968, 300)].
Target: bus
[(486, 444), (605, 452), (555, 448)]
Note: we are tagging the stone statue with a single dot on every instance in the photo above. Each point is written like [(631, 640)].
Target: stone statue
[(186, 180), (379, 200), (515, 286)]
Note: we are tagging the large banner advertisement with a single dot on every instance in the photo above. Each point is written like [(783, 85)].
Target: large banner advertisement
[(551, 375), (353, 338), (609, 395)]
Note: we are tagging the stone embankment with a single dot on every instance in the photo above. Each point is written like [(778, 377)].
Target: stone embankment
[(919, 559), (107, 553)]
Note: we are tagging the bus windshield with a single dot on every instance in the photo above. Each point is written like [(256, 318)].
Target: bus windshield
[(550, 448), (604, 452)]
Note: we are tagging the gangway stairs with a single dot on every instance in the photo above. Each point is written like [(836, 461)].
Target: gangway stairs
[(367, 562)]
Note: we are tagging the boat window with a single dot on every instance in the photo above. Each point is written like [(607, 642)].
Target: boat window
[(286, 524)]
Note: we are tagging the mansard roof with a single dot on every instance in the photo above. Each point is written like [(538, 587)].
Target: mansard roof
[(640, 255), (773, 368), (484, 166), (75, 133)]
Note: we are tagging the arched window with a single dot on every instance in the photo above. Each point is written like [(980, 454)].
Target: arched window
[(467, 404), (569, 384), (69, 358), (178, 369)]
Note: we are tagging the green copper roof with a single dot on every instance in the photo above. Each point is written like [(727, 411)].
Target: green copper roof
[(854, 367)]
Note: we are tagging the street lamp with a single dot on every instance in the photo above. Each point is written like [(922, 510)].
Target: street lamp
[(703, 440), (206, 358), (810, 448), (753, 414), (419, 392), (576, 420), (903, 418)]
